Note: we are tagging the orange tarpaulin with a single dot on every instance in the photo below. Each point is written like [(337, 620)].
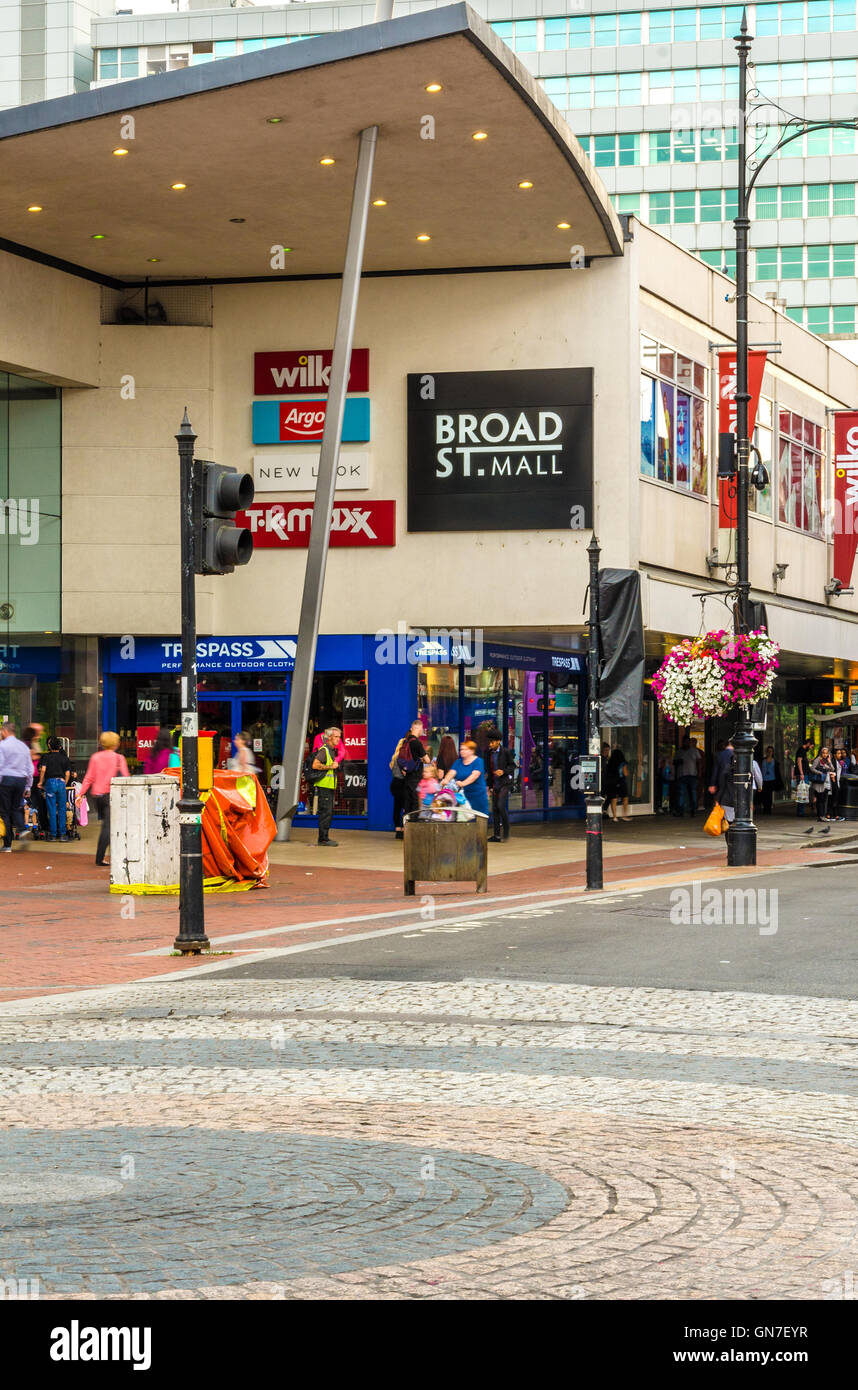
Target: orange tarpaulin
[(237, 828)]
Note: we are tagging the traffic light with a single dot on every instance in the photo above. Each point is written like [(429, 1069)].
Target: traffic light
[(220, 492)]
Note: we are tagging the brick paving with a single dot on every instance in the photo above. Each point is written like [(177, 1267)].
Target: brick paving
[(61, 929), (371, 1139)]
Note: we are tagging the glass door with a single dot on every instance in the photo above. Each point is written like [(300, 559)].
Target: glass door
[(216, 714), (263, 720)]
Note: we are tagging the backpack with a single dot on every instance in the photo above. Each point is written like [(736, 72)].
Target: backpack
[(315, 774), (394, 762)]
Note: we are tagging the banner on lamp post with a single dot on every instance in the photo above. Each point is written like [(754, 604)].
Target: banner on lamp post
[(845, 492), (727, 425)]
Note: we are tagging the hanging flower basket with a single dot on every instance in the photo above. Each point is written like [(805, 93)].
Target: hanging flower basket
[(704, 678)]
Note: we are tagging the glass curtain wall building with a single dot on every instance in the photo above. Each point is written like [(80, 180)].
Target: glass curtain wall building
[(651, 93)]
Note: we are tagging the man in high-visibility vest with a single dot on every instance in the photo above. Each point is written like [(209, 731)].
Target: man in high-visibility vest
[(324, 761)]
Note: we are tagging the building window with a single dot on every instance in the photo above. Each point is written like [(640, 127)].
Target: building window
[(843, 318), (673, 418), (628, 149), (108, 64), (628, 202), (659, 208), (761, 501), (800, 473)]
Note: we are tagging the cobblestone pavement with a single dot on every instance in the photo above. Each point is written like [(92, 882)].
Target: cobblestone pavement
[(352, 1138)]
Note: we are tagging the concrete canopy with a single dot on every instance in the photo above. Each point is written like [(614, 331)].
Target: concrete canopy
[(208, 127)]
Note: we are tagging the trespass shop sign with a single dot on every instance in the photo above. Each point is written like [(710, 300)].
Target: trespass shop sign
[(500, 450)]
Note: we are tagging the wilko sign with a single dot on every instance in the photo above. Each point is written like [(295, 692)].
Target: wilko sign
[(727, 420), (845, 493), (492, 451), (299, 422), (296, 373), (280, 526)]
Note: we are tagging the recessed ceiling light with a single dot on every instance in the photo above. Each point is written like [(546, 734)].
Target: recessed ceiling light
[(525, 183), (379, 202), (35, 207), (480, 135), (563, 226), (274, 120), (98, 236), (434, 87), (178, 186), (238, 219), (153, 260), (424, 236), (120, 150), (327, 160)]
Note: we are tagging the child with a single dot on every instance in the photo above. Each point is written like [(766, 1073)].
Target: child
[(429, 784)]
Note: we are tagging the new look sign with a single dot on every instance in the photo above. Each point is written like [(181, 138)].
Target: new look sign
[(500, 450)]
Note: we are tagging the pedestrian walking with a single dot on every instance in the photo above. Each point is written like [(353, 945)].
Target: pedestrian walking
[(501, 767), (325, 762), (772, 780), (53, 779), (469, 773), (801, 773), (821, 774), (447, 754), (159, 753), (103, 766), (243, 760), (406, 765), (838, 786), (689, 775), (721, 782), (16, 778), (617, 785)]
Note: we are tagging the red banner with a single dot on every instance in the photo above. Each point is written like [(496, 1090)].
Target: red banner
[(354, 737), (727, 419), (281, 525), (146, 736), (845, 493), (307, 369)]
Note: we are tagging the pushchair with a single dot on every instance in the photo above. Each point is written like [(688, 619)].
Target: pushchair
[(72, 811)]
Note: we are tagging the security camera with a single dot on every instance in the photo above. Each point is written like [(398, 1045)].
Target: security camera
[(835, 588), (729, 298), (760, 475)]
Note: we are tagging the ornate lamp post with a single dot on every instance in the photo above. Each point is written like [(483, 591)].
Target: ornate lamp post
[(742, 841)]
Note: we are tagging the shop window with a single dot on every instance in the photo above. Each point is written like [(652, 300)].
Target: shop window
[(673, 419), (635, 745), (800, 473)]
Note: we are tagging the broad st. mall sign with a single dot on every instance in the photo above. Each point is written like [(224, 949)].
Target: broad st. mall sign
[(500, 451)]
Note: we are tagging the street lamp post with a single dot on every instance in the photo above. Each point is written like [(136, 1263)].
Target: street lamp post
[(742, 838)]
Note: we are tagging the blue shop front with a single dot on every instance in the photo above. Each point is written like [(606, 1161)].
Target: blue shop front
[(370, 686)]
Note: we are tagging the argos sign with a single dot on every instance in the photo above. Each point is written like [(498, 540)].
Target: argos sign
[(301, 422), (296, 373)]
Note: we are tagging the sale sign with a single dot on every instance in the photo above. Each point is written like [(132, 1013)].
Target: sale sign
[(727, 420), (146, 736), (277, 525), (299, 422), (354, 737), (845, 492), (307, 369)]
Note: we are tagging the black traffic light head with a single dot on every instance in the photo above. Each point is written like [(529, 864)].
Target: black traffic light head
[(220, 492)]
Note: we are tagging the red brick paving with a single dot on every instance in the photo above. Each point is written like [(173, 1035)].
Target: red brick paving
[(61, 930)]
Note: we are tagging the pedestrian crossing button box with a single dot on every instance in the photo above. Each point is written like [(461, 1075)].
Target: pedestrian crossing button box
[(589, 776)]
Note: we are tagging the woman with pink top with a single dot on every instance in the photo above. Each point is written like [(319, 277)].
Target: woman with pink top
[(103, 767)]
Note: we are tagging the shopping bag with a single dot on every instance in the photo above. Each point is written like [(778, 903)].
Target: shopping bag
[(802, 794), (715, 821)]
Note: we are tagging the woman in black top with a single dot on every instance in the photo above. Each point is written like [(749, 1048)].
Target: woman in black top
[(54, 774), (616, 785), (447, 754)]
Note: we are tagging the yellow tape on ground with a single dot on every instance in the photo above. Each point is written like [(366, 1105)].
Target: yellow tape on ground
[(210, 885)]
